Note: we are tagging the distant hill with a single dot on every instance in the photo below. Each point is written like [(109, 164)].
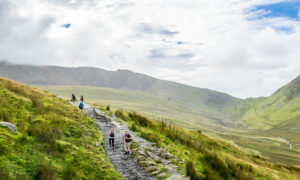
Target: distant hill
[(213, 104), (200, 105), (281, 110)]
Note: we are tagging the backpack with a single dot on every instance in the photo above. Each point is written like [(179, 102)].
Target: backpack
[(127, 136), (112, 134), (81, 105)]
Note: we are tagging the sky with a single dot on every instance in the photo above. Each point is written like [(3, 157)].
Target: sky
[(246, 48)]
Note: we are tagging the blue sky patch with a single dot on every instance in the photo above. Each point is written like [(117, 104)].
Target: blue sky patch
[(68, 25), (282, 9)]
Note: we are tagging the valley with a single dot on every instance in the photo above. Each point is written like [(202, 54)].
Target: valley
[(263, 127)]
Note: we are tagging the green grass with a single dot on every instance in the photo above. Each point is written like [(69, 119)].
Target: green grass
[(188, 112), (190, 117), (206, 158), (281, 111), (53, 140)]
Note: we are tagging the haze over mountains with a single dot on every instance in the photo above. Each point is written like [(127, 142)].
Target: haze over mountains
[(121, 79), (208, 106)]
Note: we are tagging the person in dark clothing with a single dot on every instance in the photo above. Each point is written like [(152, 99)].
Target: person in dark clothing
[(127, 140), (73, 98), (111, 138), (81, 98)]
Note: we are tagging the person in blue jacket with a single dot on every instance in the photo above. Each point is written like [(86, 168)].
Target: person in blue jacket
[(81, 105)]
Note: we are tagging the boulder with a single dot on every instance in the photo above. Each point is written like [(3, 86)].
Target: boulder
[(10, 126), (165, 154)]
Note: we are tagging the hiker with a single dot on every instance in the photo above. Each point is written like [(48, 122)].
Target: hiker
[(81, 98), (73, 98), (81, 105), (127, 140), (111, 138)]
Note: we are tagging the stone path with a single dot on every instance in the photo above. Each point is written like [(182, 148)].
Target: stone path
[(124, 164)]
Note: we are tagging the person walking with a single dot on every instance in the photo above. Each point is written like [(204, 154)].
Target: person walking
[(73, 98), (111, 138), (127, 140), (81, 105), (81, 98)]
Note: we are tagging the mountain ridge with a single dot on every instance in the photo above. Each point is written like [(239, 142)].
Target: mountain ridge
[(120, 79)]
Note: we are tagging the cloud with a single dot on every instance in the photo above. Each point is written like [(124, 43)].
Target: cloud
[(242, 47), (160, 54), (151, 30)]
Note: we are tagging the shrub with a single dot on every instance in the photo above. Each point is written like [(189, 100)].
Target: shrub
[(120, 114), (4, 173), (57, 127), (60, 147), (71, 171), (150, 137), (23, 137), (3, 148), (107, 108), (5, 116), (14, 88), (217, 164), (37, 104), (191, 171), (141, 120), (73, 132), (45, 172), (43, 133), (133, 127)]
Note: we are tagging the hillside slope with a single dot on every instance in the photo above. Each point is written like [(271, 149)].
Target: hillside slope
[(212, 105), (279, 111), (179, 113), (53, 139)]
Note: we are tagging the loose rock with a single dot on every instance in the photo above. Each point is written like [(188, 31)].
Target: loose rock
[(10, 126)]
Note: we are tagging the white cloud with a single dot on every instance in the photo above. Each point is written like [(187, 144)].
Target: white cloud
[(210, 44)]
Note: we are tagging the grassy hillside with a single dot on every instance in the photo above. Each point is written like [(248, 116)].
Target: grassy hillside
[(185, 114), (203, 157), (213, 105), (279, 111), (53, 139), (267, 143), (271, 124)]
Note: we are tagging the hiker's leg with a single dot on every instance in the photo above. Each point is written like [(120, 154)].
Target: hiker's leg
[(109, 140), (113, 142), (128, 147)]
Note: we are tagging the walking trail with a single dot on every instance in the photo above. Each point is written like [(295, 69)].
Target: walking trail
[(124, 164)]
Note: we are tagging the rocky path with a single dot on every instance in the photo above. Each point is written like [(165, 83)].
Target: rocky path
[(124, 164)]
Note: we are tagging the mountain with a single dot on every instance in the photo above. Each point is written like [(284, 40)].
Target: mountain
[(279, 111), (52, 139), (212, 105), (259, 125)]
